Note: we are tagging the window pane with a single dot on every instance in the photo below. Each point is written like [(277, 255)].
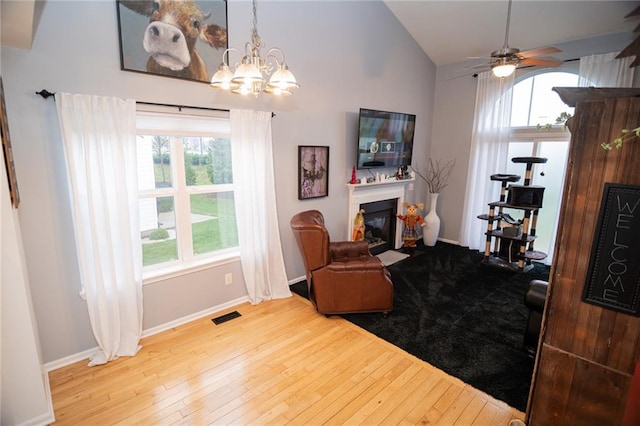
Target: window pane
[(220, 152), (546, 105), (535, 103), (213, 222), (207, 161), (518, 149), (520, 105), (553, 181), (158, 225), (154, 162)]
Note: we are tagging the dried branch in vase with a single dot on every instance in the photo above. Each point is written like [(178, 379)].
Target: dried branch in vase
[(437, 175)]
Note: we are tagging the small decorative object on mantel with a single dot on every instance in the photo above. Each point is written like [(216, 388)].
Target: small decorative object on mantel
[(354, 180), (403, 173)]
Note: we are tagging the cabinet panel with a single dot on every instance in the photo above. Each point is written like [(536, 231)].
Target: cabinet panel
[(588, 352)]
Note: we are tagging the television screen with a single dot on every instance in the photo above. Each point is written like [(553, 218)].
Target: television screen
[(385, 139)]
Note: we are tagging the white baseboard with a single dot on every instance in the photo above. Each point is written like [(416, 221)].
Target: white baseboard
[(48, 417), (42, 420), (297, 280), (444, 240), (197, 315), (68, 360)]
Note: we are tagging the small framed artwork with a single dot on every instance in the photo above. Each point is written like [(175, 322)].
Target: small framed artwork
[(181, 39), (8, 153), (313, 172)]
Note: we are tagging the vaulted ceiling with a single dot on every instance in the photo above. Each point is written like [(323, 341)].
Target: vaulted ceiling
[(449, 31)]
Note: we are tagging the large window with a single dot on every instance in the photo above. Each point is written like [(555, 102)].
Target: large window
[(535, 105), (187, 215)]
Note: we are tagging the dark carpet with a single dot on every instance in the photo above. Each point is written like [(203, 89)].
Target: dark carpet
[(463, 317)]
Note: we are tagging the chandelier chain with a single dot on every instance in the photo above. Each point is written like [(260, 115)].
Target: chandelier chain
[(255, 38)]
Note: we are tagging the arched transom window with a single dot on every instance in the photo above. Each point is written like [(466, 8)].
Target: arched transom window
[(535, 105)]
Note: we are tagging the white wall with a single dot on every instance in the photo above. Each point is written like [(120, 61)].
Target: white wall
[(24, 384), (345, 54), (455, 95)]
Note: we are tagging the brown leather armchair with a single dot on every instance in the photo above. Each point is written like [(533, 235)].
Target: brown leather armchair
[(342, 277)]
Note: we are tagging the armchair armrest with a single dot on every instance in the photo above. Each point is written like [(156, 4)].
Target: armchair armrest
[(342, 250)]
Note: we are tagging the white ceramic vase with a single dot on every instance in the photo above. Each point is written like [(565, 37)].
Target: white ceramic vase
[(431, 229)]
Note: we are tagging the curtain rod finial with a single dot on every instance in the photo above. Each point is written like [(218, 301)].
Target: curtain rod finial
[(45, 93)]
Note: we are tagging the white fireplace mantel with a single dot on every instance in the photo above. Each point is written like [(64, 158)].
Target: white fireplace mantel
[(377, 191)]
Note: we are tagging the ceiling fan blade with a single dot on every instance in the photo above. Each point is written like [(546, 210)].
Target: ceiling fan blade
[(541, 62), (482, 65), (539, 52)]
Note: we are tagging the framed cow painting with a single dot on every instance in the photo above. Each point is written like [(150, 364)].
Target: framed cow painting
[(173, 38)]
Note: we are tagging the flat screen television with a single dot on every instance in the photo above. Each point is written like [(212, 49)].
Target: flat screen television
[(385, 139)]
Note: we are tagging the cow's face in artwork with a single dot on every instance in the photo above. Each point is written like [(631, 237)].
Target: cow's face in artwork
[(174, 27)]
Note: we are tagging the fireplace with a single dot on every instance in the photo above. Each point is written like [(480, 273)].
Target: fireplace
[(390, 192), (380, 225)]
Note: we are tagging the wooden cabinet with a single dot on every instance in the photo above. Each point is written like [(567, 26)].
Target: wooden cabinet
[(587, 353)]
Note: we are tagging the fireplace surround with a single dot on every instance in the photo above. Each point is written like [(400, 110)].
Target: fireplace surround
[(374, 192)]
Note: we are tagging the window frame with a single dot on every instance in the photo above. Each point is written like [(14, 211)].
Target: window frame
[(536, 136), (187, 262)]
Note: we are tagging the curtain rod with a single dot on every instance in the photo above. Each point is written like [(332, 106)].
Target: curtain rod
[(47, 94)]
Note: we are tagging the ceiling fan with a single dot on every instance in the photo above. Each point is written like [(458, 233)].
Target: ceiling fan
[(503, 62)]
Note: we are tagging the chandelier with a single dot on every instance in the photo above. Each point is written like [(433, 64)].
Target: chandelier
[(252, 75)]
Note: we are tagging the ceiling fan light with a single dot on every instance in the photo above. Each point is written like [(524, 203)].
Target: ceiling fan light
[(503, 70)]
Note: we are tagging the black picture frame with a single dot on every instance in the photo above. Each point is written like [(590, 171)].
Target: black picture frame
[(134, 20), (313, 172), (613, 278), (8, 152)]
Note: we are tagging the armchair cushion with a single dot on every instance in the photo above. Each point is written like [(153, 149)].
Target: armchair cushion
[(344, 250)]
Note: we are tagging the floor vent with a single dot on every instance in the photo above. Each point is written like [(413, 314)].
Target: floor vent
[(226, 317)]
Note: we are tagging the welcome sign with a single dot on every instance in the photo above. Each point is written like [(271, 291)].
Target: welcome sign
[(613, 280)]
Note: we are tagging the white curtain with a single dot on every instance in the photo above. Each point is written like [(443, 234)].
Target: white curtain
[(488, 155), (604, 70), (99, 136), (255, 201)]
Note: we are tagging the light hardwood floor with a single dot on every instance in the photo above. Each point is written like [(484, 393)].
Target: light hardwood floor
[(279, 363)]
